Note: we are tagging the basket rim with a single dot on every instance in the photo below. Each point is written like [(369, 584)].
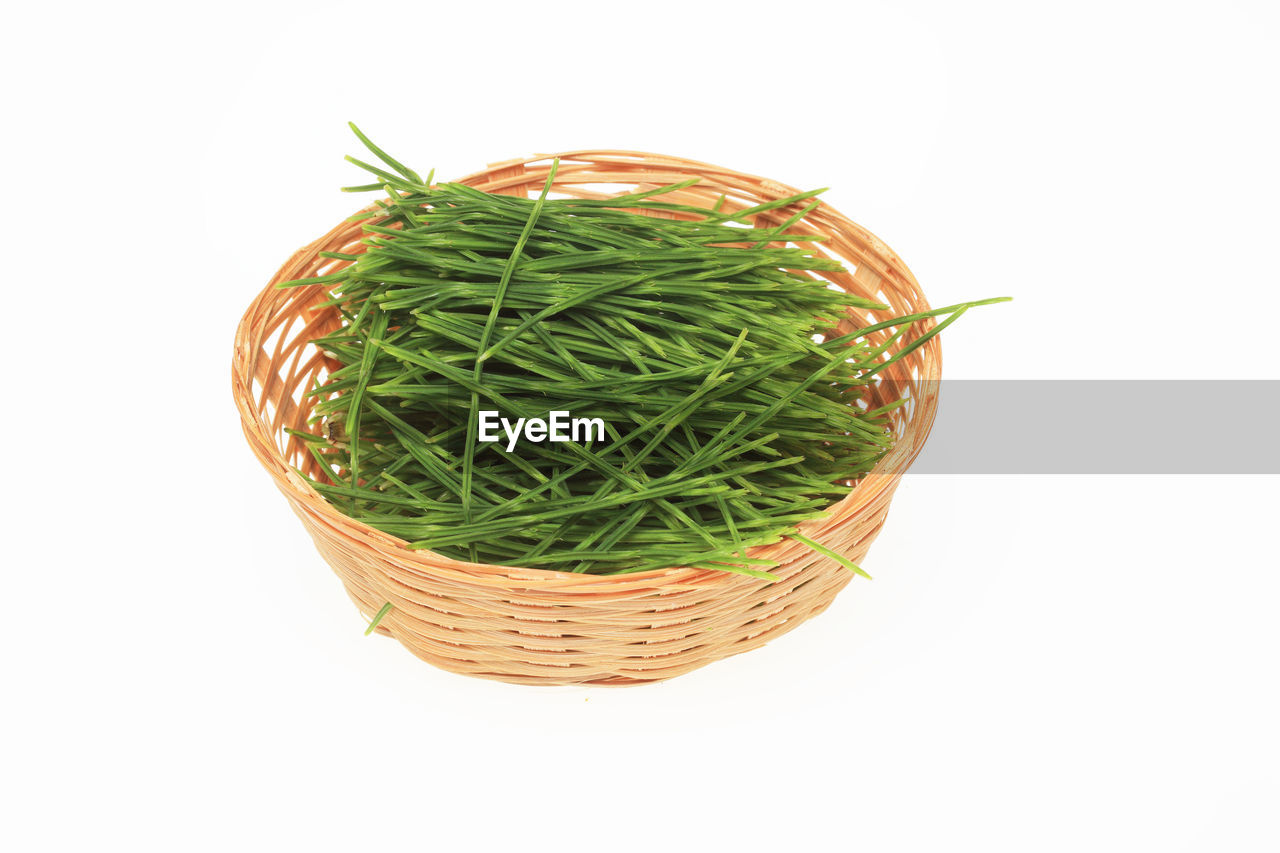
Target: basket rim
[(305, 499)]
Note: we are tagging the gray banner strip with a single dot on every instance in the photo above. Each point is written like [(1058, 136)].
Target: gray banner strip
[(1104, 427)]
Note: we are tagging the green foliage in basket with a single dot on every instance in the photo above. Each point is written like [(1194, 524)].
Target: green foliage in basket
[(732, 410)]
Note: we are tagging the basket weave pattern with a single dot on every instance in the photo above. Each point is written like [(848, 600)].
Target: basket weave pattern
[(543, 627)]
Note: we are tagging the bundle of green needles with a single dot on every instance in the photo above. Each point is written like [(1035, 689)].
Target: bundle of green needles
[(732, 411)]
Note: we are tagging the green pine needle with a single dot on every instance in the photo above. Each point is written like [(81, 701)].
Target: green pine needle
[(377, 617)]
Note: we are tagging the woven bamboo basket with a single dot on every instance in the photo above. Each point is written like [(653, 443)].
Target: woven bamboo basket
[(534, 626)]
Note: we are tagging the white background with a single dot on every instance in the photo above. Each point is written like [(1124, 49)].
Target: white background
[(1042, 664)]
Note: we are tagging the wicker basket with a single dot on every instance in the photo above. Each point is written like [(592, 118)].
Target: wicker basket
[(543, 627)]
